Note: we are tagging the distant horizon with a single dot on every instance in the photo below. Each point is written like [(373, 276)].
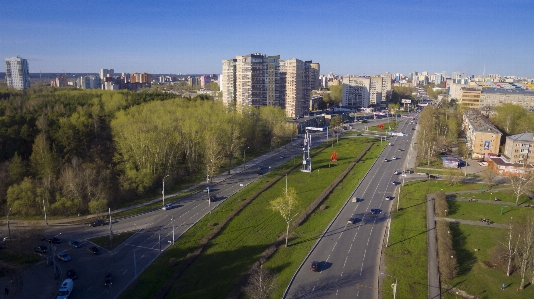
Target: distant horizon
[(344, 37)]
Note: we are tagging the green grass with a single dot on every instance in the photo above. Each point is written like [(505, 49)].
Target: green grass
[(475, 277), (241, 242), (407, 241), (107, 244), (478, 210), (505, 197)]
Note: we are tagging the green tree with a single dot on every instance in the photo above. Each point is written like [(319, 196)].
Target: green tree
[(23, 198), (17, 169), (336, 94), (287, 206), (98, 206)]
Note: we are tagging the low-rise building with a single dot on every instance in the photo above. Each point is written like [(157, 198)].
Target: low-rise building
[(482, 136), (518, 149)]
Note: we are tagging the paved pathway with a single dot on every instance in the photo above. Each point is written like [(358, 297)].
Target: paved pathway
[(472, 222)]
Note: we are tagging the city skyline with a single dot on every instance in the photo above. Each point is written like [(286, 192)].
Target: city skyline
[(346, 37)]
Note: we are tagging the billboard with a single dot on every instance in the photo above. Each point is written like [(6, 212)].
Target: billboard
[(486, 145), (406, 101)]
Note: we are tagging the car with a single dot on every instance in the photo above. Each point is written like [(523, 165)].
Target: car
[(394, 158), (351, 220), (75, 244), (389, 143), (396, 172), (389, 197), (64, 257), (375, 211), (167, 206), (357, 199), (207, 189), (98, 222), (260, 172), (71, 274), (413, 129), (315, 266), (394, 183), (54, 240), (386, 160), (40, 249), (107, 280), (400, 150), (358, 134), (9, 239), (94, 250), (282, 156), (408, 171)]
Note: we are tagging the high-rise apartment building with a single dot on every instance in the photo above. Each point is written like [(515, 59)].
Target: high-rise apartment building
[(257, 80), (104, 73), (375, 90), (356, 92), (17, 73)]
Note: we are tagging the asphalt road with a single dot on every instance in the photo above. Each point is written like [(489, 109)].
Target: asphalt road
[(154, 232), (349, 254)]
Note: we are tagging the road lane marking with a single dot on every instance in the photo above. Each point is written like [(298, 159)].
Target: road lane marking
[(124, 272)]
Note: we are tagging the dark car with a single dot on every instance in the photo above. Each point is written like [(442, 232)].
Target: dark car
[(315, 266), (98, 222), (94, 250), (389, 197), (75, 244), (351, 220), (40, 249), (71, 274), (107, 280), (375, 211)]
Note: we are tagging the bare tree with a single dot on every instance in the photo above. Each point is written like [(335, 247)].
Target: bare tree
[(260, 284), (520, 184), (489, 175), (511, 248), (525, 250), (286, 205)]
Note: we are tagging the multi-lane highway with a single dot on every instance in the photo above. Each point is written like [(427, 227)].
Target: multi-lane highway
[(349, 253)]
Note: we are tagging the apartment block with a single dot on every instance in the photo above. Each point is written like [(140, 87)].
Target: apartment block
[(470, 97), (257, 80), (491, 97), (17, 73), (519, 149), (104, 73), (356, 92), (482, 136)]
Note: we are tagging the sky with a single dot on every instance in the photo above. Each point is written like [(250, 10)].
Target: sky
[(345, 36)]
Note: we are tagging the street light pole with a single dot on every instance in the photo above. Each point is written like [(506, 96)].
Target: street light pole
[(244, 158), (8, 228), (163, 191), (44, 208)]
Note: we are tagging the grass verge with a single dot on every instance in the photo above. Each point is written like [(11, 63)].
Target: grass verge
[(475, 277)]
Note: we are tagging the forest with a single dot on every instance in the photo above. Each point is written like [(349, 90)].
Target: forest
[(82, 151)]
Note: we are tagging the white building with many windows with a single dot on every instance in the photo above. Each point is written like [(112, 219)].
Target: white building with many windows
[(17, 73)]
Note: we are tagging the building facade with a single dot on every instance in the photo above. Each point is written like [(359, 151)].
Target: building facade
[(17, 73), (355, 92), (519, 149), (292, 95), (483, 137)]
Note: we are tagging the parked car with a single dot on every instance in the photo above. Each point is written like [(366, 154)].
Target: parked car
[(64, 257), (75, 244), (40, 249), (71, 274), (98, 222), (94, 250), (107, 280), (315, 266)]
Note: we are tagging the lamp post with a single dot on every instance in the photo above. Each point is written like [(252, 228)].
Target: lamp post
[(8, 228), (163, 191), (44, 208), (244, 158), (394, 285)]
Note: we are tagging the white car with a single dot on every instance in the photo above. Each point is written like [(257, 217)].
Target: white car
[(394, 158), (396, 172), (167, 206), (386, 160)]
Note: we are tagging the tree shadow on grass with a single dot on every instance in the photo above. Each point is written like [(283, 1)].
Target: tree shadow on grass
[(454, 207), (466, 259)]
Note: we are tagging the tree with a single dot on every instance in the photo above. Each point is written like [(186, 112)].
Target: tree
[(98, 206), (287, 206), (489, 175), (17, 169), (525, 250), (520, 184), (336, 94), (260, 284)]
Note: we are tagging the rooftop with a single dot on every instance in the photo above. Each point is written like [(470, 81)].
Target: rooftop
[(480, 123), (508, 91), (525, 137)]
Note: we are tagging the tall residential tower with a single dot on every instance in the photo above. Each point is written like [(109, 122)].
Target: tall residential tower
[(17, 73)]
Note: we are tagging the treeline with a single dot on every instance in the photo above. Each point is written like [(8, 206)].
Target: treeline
[(81, 151)]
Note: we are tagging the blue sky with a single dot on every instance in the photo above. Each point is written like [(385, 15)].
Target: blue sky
[(345, 37)]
